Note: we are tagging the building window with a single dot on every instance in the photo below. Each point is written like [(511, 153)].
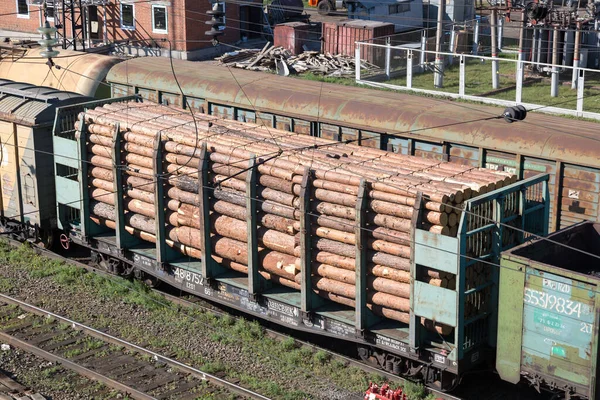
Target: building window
[(127, 16), (399, 8), (159, 19), (22, 9)]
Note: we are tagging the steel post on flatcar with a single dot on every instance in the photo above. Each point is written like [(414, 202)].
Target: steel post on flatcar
[(164, 253), (309, 301), (256, 283), (364, 318)]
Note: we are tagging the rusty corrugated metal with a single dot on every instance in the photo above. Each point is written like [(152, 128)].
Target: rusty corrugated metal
[(291, 36), (78, 72), (542, 136), (30, 105)]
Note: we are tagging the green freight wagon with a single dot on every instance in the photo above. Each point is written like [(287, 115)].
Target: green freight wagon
[(486, 227), (548, 312)]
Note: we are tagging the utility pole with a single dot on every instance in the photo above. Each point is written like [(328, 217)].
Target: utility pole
[(520, 64), (493, 22), (576, 56), (554, 86), (438, 81)]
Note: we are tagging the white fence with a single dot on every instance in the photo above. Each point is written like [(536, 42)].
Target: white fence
[(401, 64)]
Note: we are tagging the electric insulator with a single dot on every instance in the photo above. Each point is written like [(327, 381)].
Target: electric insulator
[(48, 41), (216, 21), (516, 113), (537, 11)]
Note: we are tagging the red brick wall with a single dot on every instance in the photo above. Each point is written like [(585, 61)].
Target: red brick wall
[(186, 23), (13, 23)]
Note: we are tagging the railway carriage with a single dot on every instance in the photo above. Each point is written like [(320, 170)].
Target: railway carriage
[(464, 312), (548, 312), (27, 195)]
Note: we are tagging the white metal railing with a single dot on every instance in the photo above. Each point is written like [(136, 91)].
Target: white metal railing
[(409, 69)]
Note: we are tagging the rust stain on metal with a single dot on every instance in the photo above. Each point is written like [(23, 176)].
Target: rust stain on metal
[(540, 136)]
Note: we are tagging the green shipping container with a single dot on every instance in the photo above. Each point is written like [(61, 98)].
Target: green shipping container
[(548, 319)]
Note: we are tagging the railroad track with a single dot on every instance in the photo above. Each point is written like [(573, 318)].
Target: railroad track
[(118, 364)]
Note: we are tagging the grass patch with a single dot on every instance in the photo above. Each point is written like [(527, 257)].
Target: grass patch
[(479, 82)]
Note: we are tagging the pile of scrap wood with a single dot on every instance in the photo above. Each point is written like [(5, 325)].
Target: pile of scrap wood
[(284, 62), (307, 197)]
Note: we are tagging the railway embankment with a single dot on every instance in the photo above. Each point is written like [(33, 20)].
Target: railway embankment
[(232, 348)]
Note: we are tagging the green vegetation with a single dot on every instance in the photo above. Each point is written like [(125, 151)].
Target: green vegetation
[(479, 82), (284, 356)]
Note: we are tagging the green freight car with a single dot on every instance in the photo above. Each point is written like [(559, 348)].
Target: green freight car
[(486, 227), (548, 318)]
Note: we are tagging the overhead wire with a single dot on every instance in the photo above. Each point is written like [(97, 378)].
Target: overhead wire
[(236, 80), (390, 184), (493, 117)]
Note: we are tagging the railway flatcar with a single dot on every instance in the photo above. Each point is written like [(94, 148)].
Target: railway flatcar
[(298, 246), (432, 128), (27, 195), (548, 312)]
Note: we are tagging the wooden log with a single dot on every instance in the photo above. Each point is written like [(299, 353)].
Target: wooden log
[(385, 312), (269, 238), (132, 231), (389, 301), (335, 260), (101, 173), (336, 298), (335, 197), (406, 212), (389, 286), (244, 269), (337, 274), (183, 196), (270, 221), (389, 273), (405, 200), (137, 221), (334, 210), (392, 236)]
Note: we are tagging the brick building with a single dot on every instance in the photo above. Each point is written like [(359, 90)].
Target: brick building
[(141, 27)]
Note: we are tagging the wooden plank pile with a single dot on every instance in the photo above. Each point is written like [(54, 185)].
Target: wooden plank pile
[(281, 60), (284, 159)]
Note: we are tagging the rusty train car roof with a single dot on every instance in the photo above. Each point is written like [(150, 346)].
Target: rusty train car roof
[(78, 72), (33, 106), (540, 135)]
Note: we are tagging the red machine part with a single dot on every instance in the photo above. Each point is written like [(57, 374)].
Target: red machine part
[(65, 241), (374, 392)]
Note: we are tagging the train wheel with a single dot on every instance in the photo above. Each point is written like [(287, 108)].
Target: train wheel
[(65, 241), (324, 7), (45, 240), (147, 279), (151, 281)]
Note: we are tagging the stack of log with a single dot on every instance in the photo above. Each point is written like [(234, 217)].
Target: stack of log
[(392, 184)]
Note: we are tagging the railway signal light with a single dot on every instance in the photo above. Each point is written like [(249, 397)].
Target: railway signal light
[(216, 22), (516, 113)]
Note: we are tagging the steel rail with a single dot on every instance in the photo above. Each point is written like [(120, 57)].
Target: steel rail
[(131, 346), (81, 370), (186, 303)]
